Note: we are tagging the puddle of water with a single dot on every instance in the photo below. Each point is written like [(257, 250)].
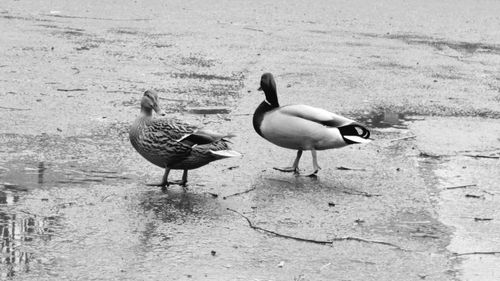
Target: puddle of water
[(472, 207), (25, 176), (179, 207), (471, 235), (21, 230), (18, 232), (20, 176), (385, 119)]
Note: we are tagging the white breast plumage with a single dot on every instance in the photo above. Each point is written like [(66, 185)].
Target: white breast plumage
[(302, 127)]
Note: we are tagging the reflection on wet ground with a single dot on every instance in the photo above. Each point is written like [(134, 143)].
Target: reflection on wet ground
[(12, 233), (73, 204), (384, 119), (18, 232), (17, 229), (178, 206), (465, 188), (55, 214), (56, 211), (26, 175), (23, 230)]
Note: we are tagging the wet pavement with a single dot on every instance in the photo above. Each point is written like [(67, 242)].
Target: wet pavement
[(418, 203)]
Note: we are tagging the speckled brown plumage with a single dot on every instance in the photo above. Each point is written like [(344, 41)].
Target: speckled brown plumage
[(157, 141), (172, 144)]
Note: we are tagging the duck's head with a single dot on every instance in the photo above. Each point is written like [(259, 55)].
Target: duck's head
[(268, 85), (150, 102)]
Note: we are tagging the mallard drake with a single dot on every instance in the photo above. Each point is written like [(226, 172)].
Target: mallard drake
[(172, 144), (301, 127)]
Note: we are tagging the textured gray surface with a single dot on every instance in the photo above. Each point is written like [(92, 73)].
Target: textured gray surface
[(73, 200)]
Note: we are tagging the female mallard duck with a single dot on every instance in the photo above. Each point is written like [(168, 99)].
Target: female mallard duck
[(303, 127), (171, 144)]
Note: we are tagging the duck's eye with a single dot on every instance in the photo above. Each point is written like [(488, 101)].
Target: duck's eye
[(152, 98)]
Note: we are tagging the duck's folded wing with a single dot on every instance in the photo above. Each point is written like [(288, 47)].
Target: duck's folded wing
[(187, 134), (317, 115), (174, 128), (351, 131), (167, 131), (203, 137)]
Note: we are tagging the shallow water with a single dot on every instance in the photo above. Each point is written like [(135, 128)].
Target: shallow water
[(466, 188), (91, 215), (73, 199), (386, 119)]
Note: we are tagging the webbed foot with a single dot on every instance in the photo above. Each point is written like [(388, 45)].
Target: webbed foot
[(295, 170), (163, 186), (158, 184), (179, 182), (314, 174)]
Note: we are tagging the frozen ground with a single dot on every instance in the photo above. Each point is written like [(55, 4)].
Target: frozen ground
[(423, 76)]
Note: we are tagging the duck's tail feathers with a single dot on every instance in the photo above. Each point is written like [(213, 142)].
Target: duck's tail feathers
[(355, 133), (228, 136), (356, 139), (225, 153)]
